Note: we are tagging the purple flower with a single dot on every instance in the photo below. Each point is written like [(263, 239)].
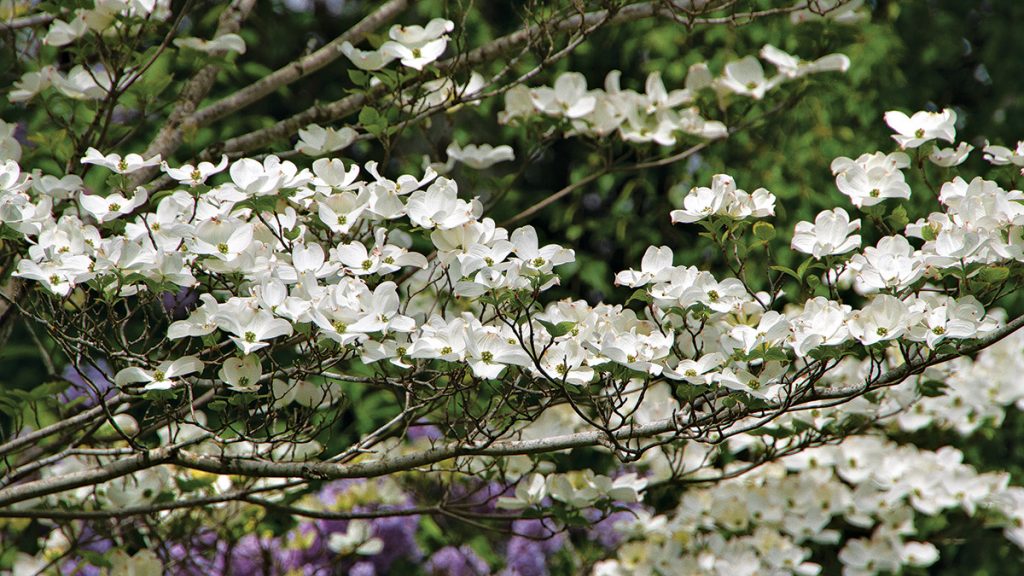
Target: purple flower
[(363, 568), (399, 536), (525, 557), (543, 532), (331, 491), (316, 558), (424, 430), (80, 567), (481, 498), (192, 560), (252, 555), (90, 380), (201, 555), (452, 561), (529, 549), (93, 542), (603, 531), (179, 304)]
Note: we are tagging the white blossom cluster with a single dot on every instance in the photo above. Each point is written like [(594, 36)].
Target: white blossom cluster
[(336, 255), (317, 251), (288, 277), (658, 115), (577, 490), (105, 18), (414, 46), (765, 521)]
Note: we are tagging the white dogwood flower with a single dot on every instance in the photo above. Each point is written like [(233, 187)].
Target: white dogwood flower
[(1002, 156), (112, 206), (948, 157), (357, 539), (912, 131), (251, 329), (745, 77), (440, 206), (315, 140), (884, 318), (163, 377), (568, 97), (115, 162), (792, 67), (242, 374), (655, 267), (872, 178), (195, 175), (830, 234), (480, 157), (223, 43), (530, 491)]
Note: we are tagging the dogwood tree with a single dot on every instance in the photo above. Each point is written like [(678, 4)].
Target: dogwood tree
[(298, 347)]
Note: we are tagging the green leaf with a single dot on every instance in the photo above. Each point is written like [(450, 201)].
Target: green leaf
[(786, 271), (242, 399), (994, 273), (369, 116), (641, 295), (802, 270), (800, 425), (778, 433), (358, 77), (556, 330), (764, 231), (372, 121), (932, 388), (193, 484), (898, 219), (49, 389)]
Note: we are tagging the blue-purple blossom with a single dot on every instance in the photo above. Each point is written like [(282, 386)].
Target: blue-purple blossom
[(253, 555), (422, 430), (364, 568), (399, 536), (603, 530), (179, 304), (89, 380), (528, 551), (307, 551), (525, 557), (452, 561), (543, 532), (79, 567), (480, 498), (202, 556)]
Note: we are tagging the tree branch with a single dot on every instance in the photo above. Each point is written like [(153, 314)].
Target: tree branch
[(490, 51), (27, 21), (73, 422), (177, 455), (172, 132), (296, 70), (92, 476)]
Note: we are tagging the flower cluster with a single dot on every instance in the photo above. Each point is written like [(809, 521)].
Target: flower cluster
[(285, 278), (769, 520), (415, 46), (657, 115)]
